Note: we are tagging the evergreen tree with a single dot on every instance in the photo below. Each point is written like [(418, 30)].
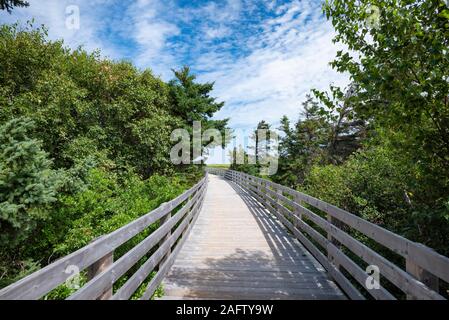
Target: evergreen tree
[(192, 101), (261, 138), (9, 4), (304, 144), (27, 183), (240, 161), (347, 128)]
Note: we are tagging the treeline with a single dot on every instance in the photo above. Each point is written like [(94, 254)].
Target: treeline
[(84, 145), (380, 148)]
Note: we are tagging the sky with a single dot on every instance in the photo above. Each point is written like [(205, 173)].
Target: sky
[(264, 56)]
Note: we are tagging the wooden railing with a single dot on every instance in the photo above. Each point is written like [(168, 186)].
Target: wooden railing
[(175, 217), (327, 235)]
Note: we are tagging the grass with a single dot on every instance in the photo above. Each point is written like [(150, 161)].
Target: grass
[(220, 166)]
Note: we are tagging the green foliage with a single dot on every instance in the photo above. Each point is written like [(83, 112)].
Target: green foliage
[(106, 128), (241, 161), (388, 189), (262, 138), (8, 5), (399, 64), (219, 166), (325, 133), (27, 183), (401, 69), (108, 204), (13, 269), (192, 101), (380, 149), (84, 105)]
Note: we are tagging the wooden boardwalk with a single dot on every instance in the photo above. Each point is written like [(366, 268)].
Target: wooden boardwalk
[(238, 250), (228, 239)]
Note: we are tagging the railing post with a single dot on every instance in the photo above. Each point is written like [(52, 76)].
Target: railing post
[(422, 275), (98, 267), (184, 232), (162, 221), (298, 213), (278, 200), (331, 239), (263, 192)]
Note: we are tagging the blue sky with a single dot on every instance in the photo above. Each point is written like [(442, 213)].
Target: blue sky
[(264, 55)]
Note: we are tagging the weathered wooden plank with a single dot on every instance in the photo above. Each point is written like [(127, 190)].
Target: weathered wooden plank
[(396, 275), (257, 239), (423, 257), (97, 268), (304, 292), (203, 273), (167, 236), (97, 285), (423, 276), (392, 272), (41, 282), (345, 284), (357, 273), (311, 277), (188, 293), (383, 236), (140, 275), (428, 260), (157, 279), (257, 283)]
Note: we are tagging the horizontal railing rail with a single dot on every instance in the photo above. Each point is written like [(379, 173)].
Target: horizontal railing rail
[(328, 237), (97, 257)]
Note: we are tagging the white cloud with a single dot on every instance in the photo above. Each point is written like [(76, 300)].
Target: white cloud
[(52, 14), (262, 66), (216, 32), (151, 33), (286, 61)]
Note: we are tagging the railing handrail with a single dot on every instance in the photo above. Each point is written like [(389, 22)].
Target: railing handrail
[(41, 282), (424, 266)]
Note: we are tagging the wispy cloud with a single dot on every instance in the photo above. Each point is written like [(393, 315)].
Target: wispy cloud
[(94, 17), (286, 60), (145, 23), (264, 56)]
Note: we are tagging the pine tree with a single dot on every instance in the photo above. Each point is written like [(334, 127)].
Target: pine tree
[(261, 135), (9, 4), (191, 101), (27, 183)]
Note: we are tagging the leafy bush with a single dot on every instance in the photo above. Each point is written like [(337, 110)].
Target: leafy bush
[(84, 146), (385, 188)]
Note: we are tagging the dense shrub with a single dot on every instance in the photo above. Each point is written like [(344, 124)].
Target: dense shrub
[(383, 187), (27, 183), (84, 146)]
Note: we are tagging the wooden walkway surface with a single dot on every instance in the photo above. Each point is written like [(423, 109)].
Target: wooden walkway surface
[(237, 250), (235, 245)]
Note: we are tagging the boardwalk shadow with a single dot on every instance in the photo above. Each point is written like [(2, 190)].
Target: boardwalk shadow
[(282, 244), (281, 269)]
